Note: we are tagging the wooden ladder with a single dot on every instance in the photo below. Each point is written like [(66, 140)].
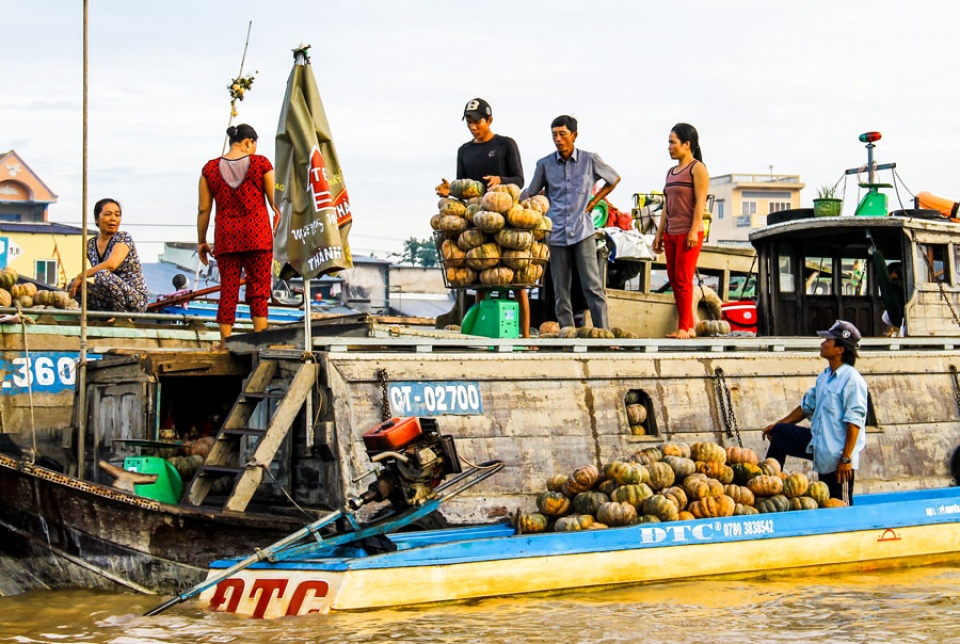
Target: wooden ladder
[(224, 456)]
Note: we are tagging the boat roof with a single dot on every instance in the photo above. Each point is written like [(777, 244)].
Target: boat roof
[(819, 226)]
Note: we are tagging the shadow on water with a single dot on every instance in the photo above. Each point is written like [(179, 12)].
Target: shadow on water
[(918, 605)]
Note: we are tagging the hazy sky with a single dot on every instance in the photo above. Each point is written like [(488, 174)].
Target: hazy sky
[(787, 85)]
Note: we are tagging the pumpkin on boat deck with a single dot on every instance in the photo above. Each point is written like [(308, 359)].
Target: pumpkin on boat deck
[(775, 503), (661, 475), (765, 485), (589, 502), (573, 523), (833, 503), (700, 488), (586, 475), (616, 514), (553, 504), (515, 239), (5, 297), (634, 494), (662, 507), (675, 449), (741, 455), (708, 452), (819, 492), (739, 493), (550, 327), (795, 485), (743, 472), (771, 466), (511, 189), (676, 494), (8, 277), (531, 523), (803, 503), (713, 506)]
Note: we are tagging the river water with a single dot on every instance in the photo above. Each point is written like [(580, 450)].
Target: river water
[(913, 605)]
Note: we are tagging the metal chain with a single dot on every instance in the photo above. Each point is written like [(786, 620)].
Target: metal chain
[(725, 405), (385, 397), (956, 384)]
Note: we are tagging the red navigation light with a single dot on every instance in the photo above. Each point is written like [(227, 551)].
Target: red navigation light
[(869, 137)]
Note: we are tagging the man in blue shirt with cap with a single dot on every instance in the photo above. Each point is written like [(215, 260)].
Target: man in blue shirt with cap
[(837, 408), (568, 177)]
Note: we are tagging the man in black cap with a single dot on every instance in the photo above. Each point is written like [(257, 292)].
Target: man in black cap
[(489, 157), (837, 408)]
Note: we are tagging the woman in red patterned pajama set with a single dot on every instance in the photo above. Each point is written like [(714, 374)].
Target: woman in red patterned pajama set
[(680, 233), (241, 183)]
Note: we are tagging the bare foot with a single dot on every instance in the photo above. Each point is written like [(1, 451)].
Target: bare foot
[(674, 335), (691, 333), (682, 334)]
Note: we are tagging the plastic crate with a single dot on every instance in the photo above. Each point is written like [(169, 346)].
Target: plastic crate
[(464, 272)]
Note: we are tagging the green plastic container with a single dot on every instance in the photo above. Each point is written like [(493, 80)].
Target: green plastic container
[(168, 486), (493, 318)]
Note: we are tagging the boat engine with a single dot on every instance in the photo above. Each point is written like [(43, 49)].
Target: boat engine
[(415, 458)]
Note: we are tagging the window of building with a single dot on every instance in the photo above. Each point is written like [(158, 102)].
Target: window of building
[(45, 270), (748, 208), (777, 206), (719, 208), (744, 221)]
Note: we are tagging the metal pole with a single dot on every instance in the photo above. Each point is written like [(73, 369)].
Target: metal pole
[(82, 364), (307, 349)]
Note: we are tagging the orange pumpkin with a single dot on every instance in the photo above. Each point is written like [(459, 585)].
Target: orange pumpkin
[(676, 494), (555, 482), (713, 506), (497, 276), (466, 188), (587, 476), (833, 503), (524, 218), (685, 515), (542, 231), (661, 475), (739, 493), (770, 466), (511, 189), (765, 485), (675, 449), (549, 327), (819, 492), (531, 523), (708, 452), (701, 488), (452, 254), (461, 276), (499, 202), (537, 202), (715, 470), (741, 455), (450, 224)]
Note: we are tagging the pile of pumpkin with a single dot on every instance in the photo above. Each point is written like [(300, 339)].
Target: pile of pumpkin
[(672, 482), (552, 329), (489, 237), (27, 296)]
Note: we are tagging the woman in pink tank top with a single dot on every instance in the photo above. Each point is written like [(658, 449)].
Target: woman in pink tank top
[(680, 234)]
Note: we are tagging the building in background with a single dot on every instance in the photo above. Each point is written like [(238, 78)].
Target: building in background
[(23, 195), (743, 201)]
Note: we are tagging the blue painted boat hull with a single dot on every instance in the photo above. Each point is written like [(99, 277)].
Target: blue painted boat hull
[(881, 530)]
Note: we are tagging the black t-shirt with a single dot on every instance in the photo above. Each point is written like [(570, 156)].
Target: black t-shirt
[(497, 157)]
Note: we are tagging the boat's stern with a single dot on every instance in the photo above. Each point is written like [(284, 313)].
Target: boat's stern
[(270, 593)]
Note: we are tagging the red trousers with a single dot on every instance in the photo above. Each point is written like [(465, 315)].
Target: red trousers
[(681, 265), (256, 264)]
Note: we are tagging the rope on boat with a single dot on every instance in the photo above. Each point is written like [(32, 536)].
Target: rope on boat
[(24, 320), (253, 464)]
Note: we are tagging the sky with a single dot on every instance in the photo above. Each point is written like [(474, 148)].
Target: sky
[(785, 87)]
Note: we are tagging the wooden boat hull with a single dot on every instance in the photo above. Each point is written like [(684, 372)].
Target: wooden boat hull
[(72, 533), (882, 530)]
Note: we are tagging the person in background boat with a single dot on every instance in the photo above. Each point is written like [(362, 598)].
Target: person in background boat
[(568, 177), (837, 408), (118, 283), (241, 183), (180, 288), (893, 319), (489, 157), (680, 233)]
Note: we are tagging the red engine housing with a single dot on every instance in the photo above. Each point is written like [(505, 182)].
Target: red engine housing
[(392, 435)]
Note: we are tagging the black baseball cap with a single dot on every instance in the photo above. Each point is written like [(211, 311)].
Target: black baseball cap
[(843, 331), (477, 109)]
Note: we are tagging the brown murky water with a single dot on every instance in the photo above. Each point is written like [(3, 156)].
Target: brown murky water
[(917, 605)]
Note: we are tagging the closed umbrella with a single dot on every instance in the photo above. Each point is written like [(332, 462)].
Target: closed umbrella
[(315, 215)]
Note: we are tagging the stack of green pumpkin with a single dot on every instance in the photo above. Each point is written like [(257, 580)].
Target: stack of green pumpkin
[(672, 482), (489, 237), (27, 296), (552, 329)]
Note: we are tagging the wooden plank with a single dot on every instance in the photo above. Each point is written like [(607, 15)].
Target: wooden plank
[(301, 386)]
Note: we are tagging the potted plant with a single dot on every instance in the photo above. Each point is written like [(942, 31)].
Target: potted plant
[(826, 204)]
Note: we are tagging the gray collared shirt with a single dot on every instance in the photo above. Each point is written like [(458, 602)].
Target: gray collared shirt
[(569, 187)]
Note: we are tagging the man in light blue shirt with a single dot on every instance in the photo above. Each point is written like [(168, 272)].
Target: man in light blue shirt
[(837, 408), (568, 177)]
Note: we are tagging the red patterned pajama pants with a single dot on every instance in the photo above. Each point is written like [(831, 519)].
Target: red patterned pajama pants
[(256, 264)]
